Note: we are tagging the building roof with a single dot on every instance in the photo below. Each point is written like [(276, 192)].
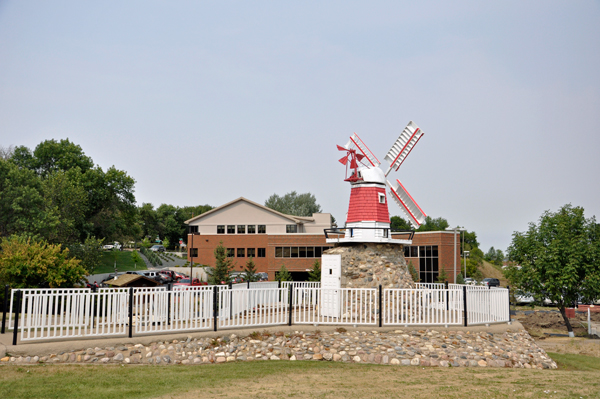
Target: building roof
[(126, 279), (295, 219)]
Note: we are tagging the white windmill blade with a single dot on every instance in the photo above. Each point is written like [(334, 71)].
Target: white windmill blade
[(356, 142), (403, 146), (404, 200)]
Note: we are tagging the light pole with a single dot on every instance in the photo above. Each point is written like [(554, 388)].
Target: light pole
[(455, 229), (465, 256), (192, 257)]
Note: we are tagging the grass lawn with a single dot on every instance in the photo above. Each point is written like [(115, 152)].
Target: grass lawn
[(577, 377), (124, 262)]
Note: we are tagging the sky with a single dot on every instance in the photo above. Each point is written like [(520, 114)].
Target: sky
[(202, 102)]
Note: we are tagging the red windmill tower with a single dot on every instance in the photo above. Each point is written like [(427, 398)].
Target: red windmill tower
[(368, 217)]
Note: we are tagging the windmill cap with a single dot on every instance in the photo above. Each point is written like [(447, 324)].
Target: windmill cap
[(372, 175)]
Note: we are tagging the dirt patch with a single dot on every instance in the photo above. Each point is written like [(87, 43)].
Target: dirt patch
[(541, 323)]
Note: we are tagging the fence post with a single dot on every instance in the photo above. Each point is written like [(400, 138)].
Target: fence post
[(17, 309), (290, 305), (4, 309), (380, 306), (447, 296), (169, 304), (215, 307), (465, 304), (248, 284), (509, 318), (130, 312)]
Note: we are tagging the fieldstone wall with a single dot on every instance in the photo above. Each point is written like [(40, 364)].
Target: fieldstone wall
[(367, 265)]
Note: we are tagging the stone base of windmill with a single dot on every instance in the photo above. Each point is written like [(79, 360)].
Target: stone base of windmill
[(368, 265)]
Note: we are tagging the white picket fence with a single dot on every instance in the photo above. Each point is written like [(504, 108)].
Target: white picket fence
[(341, 306), (47, 314), (422, 307)]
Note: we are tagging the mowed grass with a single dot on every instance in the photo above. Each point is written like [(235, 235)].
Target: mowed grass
[(124, 262), (578, 378)]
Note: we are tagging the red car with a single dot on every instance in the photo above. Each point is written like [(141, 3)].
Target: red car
[(186, 281)]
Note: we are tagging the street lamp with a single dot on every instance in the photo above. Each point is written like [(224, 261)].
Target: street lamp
[(455, 229), (465, 256), (193, 233)]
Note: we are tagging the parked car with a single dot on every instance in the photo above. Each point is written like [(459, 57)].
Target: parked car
[(186, 282), (491, 282), (114, 245), (157, 248), (169, 275), (470, 281)]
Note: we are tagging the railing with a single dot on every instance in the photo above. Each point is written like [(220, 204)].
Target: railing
[(341, 306), (58, 313), (430, 286), (422, 307), (488, 306), (253, 307)]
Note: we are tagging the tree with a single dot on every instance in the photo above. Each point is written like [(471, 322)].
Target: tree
[(437, 224), (460, 279), (223, 265), (398, 223), (315, 273), (413, 272), (442, 276), (559, 259), (89, 253), (283, 274), (250, 271), (494, 256), (29, 263), (294, 204)]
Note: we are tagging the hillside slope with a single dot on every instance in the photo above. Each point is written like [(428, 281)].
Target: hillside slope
[(493, 271)]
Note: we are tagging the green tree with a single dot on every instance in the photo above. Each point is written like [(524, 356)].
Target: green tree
[(413, 272), (315, 273), (89, 253), (136, 258), (437, 224), (294, 204), (559, 258), (460, 279), (283, 274), (442, 276), (398, 223), (29, 263), (494, 256), (223, 265), (250, 271)]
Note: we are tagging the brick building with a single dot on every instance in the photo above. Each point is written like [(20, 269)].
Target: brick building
[(248, 229)]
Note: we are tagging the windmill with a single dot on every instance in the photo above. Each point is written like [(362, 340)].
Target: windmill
[(368, 217)]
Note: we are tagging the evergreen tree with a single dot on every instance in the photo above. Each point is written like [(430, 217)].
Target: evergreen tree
[(283, 274), (315, 273), (250, 271), (460, 279), (442, 276), (223, 265), (413, 272)]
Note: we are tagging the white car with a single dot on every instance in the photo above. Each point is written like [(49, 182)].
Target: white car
[(470, 281)]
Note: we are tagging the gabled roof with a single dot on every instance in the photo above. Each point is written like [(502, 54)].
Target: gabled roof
[(125, 279), (295, 219)]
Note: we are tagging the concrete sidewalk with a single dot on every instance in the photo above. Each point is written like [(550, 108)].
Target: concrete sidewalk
[(47, 347)]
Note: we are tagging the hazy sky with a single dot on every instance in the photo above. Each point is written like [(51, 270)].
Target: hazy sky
[(204, 102)]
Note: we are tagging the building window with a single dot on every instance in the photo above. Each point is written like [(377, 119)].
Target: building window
[(298, 252), (381, 198), (241, 229), (262, 229), (230, 252), (261, 252), (251, 252), (241, 252), (194, 252), (251, 229), (230, 229), (221, 229), (428, 263), (291, 228), (193, 229)]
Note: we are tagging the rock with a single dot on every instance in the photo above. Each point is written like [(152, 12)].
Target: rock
[(415, 361), (221, 359), (317, 356), (327, 356), (5, 359), (119, 357), (395, 361)]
